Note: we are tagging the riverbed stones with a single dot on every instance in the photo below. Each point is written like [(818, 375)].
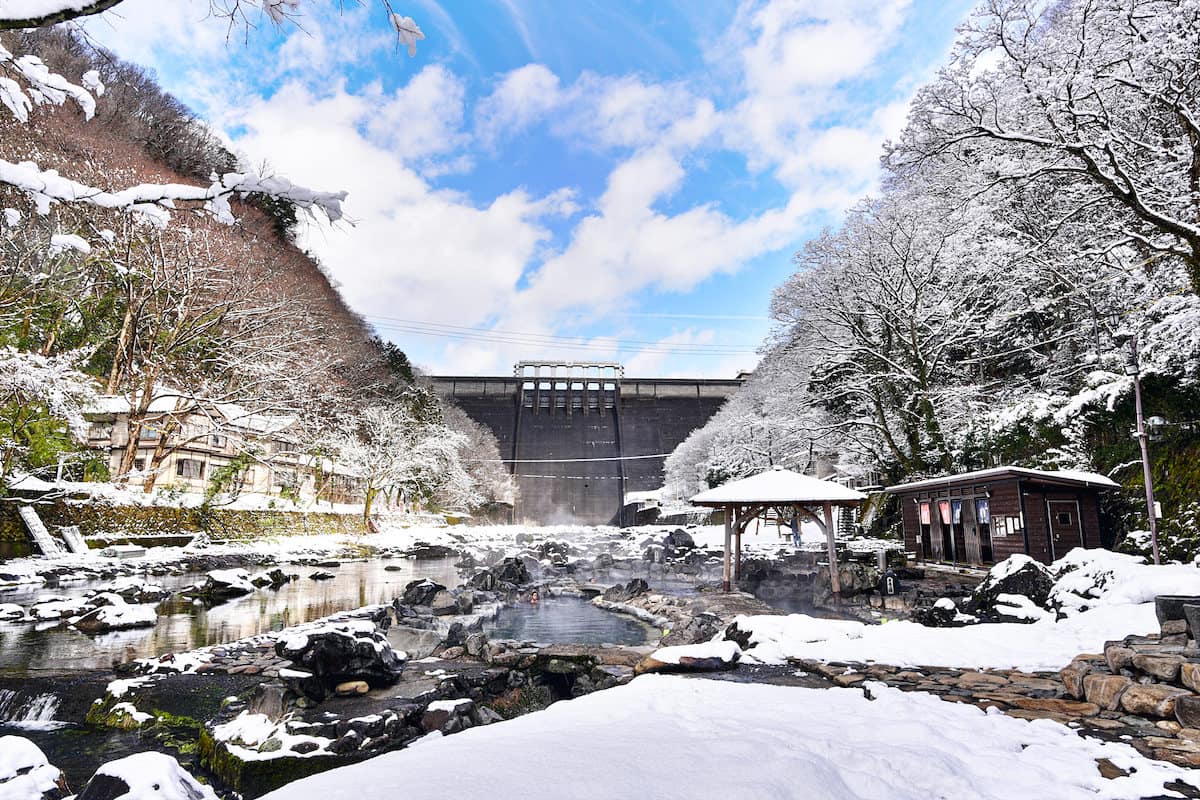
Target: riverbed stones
[(1105, 690), (1152, 700)]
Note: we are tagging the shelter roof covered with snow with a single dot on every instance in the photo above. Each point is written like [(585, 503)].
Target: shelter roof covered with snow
[(782, 486), (1058, 477)]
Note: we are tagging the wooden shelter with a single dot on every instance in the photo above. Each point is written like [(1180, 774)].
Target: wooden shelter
[(985, 516), (788, 492)]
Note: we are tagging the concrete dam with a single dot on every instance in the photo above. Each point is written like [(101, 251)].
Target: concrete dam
[(573, 433)]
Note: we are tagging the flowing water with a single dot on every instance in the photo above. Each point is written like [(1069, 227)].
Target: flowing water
[(21, 710)]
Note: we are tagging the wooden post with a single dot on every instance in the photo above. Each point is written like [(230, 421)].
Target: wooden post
[(737, 559), (835, 582), (728, 536)]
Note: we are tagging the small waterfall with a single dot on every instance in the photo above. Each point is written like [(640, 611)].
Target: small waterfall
[(17, 709)]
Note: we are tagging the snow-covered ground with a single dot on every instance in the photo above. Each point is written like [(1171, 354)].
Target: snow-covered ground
[(1106, 596), (668, 737)]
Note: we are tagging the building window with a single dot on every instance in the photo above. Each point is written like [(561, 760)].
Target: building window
[(1063, 517), (98, 430), (217, 440), (146, 433), (248, 477), (189, 468), (138, 463)]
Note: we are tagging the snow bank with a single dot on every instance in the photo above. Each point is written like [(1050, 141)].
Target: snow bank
[(750, 740), (1093, 578), (1042, 646)]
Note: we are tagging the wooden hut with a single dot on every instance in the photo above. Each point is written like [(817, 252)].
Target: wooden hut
[(985, 516)]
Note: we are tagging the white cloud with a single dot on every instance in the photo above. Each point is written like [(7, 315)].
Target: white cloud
[(523, 97), (421, 119)]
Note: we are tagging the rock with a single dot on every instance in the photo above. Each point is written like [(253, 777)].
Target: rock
[(223, 584), (855, 579), (321, 575), (1105, 690), (456, 636), (511, 570), (335, 653), (1164, 668), (1118, 657), (1053, 705), (464, 602), (1016, 575), (1187, 711), (710, 657), (273, 578), (347, 743), (484, 581), (475, 644), (351, 688), (270, 699), (700, 628), (942, 614), (621, 594), (415, 642), (444, 603), (305, 747), (26, 773), (452, 653), (1153, 700), (1169, 607), (602, 561), (135, 776), (441, 713), (1189, 675), (1110, 770), (1072, 677), (678, 539), (421, 592), (117, 618)]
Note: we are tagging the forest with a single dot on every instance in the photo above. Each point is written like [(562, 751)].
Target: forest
[(1034, 243), (195, 298)]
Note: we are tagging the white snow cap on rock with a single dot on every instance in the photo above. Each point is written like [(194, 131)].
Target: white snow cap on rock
[(155, 776), (25, 772)]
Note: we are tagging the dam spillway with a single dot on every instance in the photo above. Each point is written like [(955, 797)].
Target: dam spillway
[(574, 433)]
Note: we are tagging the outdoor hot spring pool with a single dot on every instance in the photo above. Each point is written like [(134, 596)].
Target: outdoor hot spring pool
[(566, 620)]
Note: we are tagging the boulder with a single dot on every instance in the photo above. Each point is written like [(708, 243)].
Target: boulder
[(142, 775), (484, 581), (351, 688), (441, 715), (1118, 657), (1105, 690), (677, 540), (223, 584), (942, 614), (273, 578), (1164, 668), (1016, 575), (321, 575), (132, 589), (1056, 705), (415, 642), (116, 618), (1168, 607), (444, 603), (702, 627), (1189, 675), (26, 773), (475, 644), (511, 570), (707, 657), (854, 578), (1072, 677), (1152, 700), (11, 612), (1187, 711), (621, 594), (339, 652), (421, 592)]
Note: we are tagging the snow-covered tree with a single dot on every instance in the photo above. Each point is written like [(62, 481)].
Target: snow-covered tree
[(42, 400)]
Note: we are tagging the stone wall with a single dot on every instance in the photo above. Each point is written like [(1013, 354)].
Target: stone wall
[(106, 523)]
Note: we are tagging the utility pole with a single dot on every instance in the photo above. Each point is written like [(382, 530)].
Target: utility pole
[(1134, 370)]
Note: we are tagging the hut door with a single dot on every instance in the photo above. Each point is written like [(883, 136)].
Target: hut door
[(965, 532), (1066, 531)]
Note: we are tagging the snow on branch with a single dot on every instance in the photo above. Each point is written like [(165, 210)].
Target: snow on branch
[(47, 186), (45, 87), (16, 14)]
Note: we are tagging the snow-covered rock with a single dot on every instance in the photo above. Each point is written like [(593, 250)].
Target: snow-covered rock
[(1016, 575), (116, 618), (338, 652), (705, 657), (26, 773), (11, 612), (223, 584), (1086, 579), (145, 776)]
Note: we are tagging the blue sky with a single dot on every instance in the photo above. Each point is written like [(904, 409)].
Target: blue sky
[(574, 179)]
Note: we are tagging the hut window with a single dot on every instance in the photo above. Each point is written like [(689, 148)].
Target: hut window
[(1063, 517)]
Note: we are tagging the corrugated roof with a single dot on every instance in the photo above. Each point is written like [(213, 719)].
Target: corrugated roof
[(1068, 477), (778, 486)]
